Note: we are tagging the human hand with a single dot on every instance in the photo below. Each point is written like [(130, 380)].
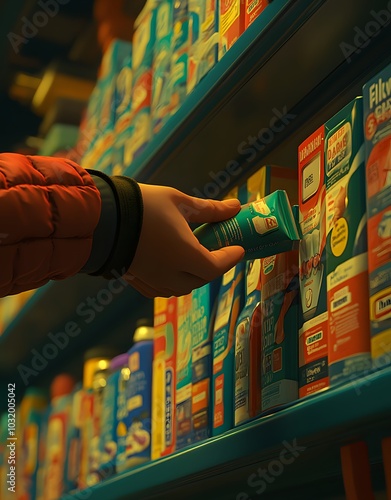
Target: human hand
[(169, 260)]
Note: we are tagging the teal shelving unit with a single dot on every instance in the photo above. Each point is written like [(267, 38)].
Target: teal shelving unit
[(289, 65), (236, 464)]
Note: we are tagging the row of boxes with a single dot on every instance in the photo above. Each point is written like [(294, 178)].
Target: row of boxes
[(143, 83)]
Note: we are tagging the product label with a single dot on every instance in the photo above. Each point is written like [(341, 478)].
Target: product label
[(280, 309)]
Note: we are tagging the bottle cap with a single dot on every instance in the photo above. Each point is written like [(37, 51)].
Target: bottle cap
[(144, 330), (119, 362), (100, 351)]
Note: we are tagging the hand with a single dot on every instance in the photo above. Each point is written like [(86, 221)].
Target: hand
[(169, 259)]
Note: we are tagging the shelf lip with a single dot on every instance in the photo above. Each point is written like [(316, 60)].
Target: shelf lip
[(345, 406)]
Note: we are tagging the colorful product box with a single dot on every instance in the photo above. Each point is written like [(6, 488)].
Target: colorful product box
[(161, 91), (143, 52), (229, 305), (346, 244), (377, 126), (123, 118), (248, 348), (250, 10), (112, 63), (164, 377), (183, 396), (230, 24), (280, 310), (180, 60), (202, 318), (205, 36), (313, 336)]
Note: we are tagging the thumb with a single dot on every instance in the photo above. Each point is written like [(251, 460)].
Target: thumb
[(226, 258), (200, 210)]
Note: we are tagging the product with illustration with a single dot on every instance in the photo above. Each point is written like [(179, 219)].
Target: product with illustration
[(377, 127), (313, 336), (346, 244)]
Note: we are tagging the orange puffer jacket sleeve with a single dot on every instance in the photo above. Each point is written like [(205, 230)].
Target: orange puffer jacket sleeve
[(49, 209)]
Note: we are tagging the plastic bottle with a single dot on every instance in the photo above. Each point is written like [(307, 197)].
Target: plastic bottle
[(114, 411), (96, 360), (58, 423), (135, 447)]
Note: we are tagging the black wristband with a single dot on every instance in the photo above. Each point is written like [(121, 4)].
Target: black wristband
[(129, 201)]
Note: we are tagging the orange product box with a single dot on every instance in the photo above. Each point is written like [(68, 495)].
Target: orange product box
[(313, 336), (230, 24), (250, 10)]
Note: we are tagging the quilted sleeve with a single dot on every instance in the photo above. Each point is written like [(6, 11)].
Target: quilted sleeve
[(49, 209)]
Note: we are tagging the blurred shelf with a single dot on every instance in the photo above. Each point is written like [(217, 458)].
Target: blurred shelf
[(289, 62), (311, 430), (102, 311)]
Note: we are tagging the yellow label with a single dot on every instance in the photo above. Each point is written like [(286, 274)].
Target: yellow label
[(339, 237), (381, 344), (157, 409)]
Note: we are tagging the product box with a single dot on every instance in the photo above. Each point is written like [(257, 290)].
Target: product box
[(346, 244), (248, 348), (73, 446), (280, 313), (202, 318), (112, 63), (123, 118), (183, 396), (144, 39), (230, 24), (250, 10), (163, 52), (377, 127), (313, 336), (229, 305), (164, 377), (204, 36), (180, 60), (270, 178)]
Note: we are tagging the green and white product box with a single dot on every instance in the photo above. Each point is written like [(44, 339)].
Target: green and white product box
[(202, 318)]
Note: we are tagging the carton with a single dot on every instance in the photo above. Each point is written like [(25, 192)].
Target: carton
[(250, 10), (144, 39), (204, 35), (161, 91), (164, 377), (377, 127), (180, 60), (280, 309), (229, 305), (230, 24), (123, 118), (202, 317), (313, 336), (248, 348), (270, 178), (183, 396), (346, 244)]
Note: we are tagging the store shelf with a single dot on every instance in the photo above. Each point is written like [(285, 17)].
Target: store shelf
[(290, 59), (82, 303), (225, 466)]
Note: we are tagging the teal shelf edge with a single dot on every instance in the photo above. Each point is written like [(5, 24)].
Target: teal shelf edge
[(342, 411), (201, 101)]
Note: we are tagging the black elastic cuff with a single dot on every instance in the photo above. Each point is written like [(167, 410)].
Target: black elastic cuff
[(105, 233), (130, 217)]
